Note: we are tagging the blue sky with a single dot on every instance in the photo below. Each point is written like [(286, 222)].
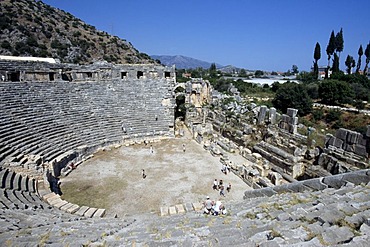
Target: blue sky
[(265, 34)]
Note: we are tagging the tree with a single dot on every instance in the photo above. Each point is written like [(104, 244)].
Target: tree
[(334, 92), (213, 71), (258, 73), (316, 57), (339, 42), (350, 63), (367, 55), (335, 68), (295, 69), (330, 51), (242, 73), (295, 95), (360, 53)]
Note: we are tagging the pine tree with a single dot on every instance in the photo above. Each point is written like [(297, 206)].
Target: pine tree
[(316, 56), (360, 53)]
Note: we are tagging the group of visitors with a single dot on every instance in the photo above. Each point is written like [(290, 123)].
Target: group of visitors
[(214, 208), (219, 186)]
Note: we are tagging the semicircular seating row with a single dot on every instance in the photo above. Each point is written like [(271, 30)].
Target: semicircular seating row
[(20, 192), (50, 119)]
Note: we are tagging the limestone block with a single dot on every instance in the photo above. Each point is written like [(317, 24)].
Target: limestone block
[(90, 212), (262, 114), (73, 209), (336, 235), (338, 143), (329, 140), (362, 140), (285, 118), (360, 150), (163, 211), (356, 178), (368, 131), (197, 206), (45, 197), (294, 120), (66, 206), (172, 210), (334, 181), (353, 137), (82, 210), (60, 204), (349, 148), (99, 213), (291, 112), (272, 115), (341, 134), (180, 208), (315, 184)]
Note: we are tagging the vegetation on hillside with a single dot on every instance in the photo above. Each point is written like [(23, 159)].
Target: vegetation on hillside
[(33, 28)]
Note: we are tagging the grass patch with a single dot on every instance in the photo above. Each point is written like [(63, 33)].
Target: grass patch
[(90, 192)]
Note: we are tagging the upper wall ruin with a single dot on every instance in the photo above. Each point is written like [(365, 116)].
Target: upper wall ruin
[(43, 71)]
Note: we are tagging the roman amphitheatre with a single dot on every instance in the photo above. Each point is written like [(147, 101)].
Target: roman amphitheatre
[(76, 139)]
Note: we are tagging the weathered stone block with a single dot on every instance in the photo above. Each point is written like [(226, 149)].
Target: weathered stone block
[(82, 210), (360, 150), (353, 137), (99, 213), (341, 134), (294, 120), (180, 208), (334, 181), (368, 131), (262, 114), (315, 184), (292, 112), (329, 140), (90, 212), (338, 143), (197, 206), (272, 115), (349, 148)]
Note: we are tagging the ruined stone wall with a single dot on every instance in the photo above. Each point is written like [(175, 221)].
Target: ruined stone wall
[(26, 71)]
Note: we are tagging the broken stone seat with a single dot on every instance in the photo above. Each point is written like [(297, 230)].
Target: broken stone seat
[(315, 184), (57, 202)]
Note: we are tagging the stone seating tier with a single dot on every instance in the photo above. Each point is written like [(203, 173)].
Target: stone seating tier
[(68, 115)]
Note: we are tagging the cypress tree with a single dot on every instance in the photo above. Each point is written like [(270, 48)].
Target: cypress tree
[(330, 51), (316, 56), (360, 53), (367, 55)]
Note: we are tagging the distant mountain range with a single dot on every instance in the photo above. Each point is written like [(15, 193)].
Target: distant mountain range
[(182, 62)]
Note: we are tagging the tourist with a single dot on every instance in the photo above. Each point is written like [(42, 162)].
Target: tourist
[(215, 185), (143, 174), (223, 169), (221, 183), (208, 204), (151, 149), (218, 208), (222, 190), (228, 168), (183, 147), (228, 188)]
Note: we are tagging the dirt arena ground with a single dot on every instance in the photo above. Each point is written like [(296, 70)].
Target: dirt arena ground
[(113, 179)]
